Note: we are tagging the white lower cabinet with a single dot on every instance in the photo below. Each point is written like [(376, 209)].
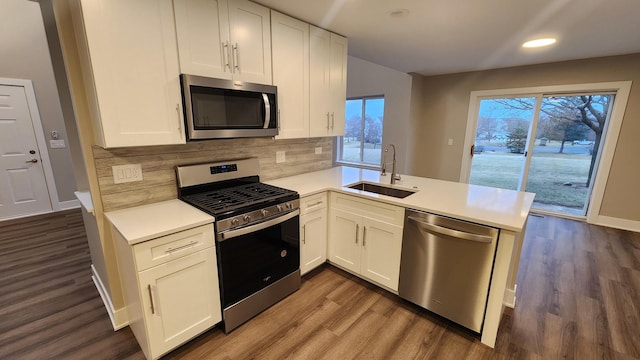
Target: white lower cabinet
[(170, 287), (313, 232), (365, 237)]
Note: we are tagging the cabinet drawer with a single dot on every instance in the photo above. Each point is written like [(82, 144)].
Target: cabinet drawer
[(313, 203), (157, 251), (372, 209)]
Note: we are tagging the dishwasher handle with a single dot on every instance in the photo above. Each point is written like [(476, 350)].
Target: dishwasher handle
[(451, 232)]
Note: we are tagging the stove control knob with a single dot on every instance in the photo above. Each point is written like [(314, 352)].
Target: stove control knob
[(235, 222), (288, 205), (264, 212), (246, 218), (279, 207)]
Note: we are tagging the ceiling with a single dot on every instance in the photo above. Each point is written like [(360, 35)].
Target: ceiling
[(449, 36)]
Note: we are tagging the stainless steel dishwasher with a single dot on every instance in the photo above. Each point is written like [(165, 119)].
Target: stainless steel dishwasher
[(446, 266)]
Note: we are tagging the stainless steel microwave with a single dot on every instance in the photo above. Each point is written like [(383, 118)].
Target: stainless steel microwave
[(219, 108)]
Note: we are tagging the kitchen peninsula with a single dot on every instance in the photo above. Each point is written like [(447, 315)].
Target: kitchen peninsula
[(502, 209)]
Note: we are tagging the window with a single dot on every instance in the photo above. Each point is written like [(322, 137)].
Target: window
[(362, 140)]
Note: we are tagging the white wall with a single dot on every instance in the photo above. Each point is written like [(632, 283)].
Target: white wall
[(365, 78), (25, 55)]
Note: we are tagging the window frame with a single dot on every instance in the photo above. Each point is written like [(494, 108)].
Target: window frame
[(339, 142)]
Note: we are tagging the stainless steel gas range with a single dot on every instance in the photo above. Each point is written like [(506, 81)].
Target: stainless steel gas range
[(257, 234)]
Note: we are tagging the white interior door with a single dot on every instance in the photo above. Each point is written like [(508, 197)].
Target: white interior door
[(23, 188)]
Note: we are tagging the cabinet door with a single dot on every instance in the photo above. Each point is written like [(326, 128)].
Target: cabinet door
[(313, 236), (180, 299), (290, 52), (202, 28), (338, 83), (381, 249), (344, 240), (250, 35), (133, 61), (319, 71)]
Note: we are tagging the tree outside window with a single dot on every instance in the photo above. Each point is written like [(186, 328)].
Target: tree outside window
[(362, 140)]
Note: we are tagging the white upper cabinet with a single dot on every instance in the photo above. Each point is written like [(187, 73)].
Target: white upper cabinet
[(338, 83), (319, 114), (129, 61), (227, 39), (250, 41), (328, 82), (202, 27), (290, 51)]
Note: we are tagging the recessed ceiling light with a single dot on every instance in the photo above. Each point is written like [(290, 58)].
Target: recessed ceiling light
[(398, 13), (539, 42)]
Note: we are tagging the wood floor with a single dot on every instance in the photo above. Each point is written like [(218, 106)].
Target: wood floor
[(578, 298)]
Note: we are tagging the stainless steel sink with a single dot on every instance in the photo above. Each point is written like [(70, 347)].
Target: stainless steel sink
[(382, 190)]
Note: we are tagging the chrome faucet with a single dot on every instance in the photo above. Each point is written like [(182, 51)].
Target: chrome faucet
[(394, 177)]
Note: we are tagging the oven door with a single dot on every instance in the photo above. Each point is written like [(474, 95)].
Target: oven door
[(253, 257)]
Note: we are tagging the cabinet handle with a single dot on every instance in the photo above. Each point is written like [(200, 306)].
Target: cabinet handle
[(304, 234), (236, 57), (364, 235), (357, 230), (190, 244), (153, 308), (328, 127), (314, 204), (332, 121), (225, 55), (179, 120)]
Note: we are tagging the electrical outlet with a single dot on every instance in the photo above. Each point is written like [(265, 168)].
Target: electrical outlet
[(127, 173), (319, 150), (450, 142), (280, 157)]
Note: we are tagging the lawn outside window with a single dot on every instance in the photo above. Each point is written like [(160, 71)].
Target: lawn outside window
[(361, 144)]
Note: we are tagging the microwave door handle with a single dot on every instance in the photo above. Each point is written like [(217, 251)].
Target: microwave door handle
[(267, 111)]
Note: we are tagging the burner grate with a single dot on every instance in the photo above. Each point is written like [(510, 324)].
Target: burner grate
[(235, 197)]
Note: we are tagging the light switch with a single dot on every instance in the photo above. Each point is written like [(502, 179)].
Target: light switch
[(127, 173), (450, 142), (57, 144)]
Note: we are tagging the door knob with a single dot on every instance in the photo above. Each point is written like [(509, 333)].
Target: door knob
[(32, 161)]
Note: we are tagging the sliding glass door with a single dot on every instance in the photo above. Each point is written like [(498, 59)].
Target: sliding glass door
[(501, 141), (548, 144)]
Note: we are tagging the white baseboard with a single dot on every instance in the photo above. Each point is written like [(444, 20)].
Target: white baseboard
[(118, 317), (69, 204), (510, 297), (617, 223)]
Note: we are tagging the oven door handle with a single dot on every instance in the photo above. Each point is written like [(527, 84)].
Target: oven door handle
[(263, 225)]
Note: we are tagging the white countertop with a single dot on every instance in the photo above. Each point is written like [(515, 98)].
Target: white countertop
[(146, 222), (505, 209), (85, 200)]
